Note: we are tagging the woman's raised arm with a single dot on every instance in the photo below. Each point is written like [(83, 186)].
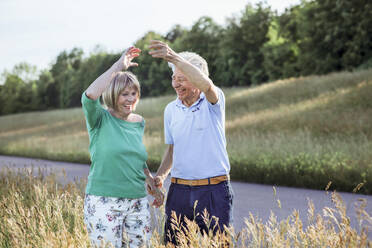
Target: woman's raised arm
[(95, 89)]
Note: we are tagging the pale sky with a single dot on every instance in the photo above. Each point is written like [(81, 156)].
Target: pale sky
[(36, 31)]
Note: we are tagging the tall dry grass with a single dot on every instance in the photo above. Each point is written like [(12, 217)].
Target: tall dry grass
[(36, 211)]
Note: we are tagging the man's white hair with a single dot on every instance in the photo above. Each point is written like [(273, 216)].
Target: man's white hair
[(194, 59)]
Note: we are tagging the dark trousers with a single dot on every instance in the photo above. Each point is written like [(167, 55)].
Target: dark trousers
[(216, 199)]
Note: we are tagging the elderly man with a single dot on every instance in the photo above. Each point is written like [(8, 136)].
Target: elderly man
[(194, 128)]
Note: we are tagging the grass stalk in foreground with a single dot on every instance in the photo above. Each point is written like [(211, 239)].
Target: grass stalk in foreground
[(36, 211)]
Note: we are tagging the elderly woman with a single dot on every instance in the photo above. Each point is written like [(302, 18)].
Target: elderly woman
[(194, 128), (115, 201)]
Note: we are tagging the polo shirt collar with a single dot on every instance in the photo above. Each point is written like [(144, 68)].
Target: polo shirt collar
[(180, 104)]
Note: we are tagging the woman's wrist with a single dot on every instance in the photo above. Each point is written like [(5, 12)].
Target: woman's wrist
[(117, 66)]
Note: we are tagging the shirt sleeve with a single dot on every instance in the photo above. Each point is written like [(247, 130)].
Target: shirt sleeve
[(167, 131), (219, 107), (93, 111)]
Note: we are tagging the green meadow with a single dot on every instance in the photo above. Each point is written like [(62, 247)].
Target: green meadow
[(302, 132)]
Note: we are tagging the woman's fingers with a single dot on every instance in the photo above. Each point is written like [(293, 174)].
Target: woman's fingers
[(151, 192), (128, 55), (132, 55), (133, 50)]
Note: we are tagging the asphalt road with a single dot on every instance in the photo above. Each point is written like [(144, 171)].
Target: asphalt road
[(257, 199)]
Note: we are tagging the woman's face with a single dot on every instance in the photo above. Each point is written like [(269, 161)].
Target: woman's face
[(127, 100)]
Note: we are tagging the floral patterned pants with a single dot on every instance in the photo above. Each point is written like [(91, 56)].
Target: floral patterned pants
[(122, 222)]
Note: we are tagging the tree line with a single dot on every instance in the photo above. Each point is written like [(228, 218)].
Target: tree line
[(257, 46)]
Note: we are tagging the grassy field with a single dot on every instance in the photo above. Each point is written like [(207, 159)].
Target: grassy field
[(35, 211), (301, 132)]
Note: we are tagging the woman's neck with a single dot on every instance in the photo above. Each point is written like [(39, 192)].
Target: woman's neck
[(119, 115)]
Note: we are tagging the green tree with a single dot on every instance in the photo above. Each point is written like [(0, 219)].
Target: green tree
[(175, 33), (89, 69), (330, 35), (64, 76), (153, 74), (280, 55), (47, 92), (18, 93), (203, 38), (2, 100), (241, 59)]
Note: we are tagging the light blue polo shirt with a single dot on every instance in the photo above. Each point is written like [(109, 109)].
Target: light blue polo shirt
[(198, 135)]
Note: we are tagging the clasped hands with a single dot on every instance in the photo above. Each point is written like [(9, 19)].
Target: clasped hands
[(154, 186)]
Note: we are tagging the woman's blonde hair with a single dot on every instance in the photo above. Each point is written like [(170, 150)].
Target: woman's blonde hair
[(119, 82)]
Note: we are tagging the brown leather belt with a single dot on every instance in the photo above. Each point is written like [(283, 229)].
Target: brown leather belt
[(201, 182)]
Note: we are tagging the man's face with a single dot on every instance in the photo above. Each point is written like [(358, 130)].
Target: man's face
[(184, 89)]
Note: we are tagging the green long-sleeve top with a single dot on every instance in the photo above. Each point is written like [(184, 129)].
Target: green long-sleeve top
[(117, 153)]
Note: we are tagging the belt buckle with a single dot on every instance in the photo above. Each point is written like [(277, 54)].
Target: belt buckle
[(193, 183)]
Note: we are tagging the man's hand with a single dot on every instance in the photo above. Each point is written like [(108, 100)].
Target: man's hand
[(159, 49)]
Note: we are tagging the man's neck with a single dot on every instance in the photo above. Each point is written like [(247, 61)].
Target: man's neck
[(190, 101)]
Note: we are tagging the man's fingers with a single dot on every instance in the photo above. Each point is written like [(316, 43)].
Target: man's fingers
[(156, 42), (156, 46), (157, 54), (156, 50)]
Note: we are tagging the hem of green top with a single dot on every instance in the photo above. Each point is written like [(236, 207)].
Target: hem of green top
[(106, 194)]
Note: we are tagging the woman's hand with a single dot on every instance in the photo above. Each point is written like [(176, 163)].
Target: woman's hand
[(126, 58)]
